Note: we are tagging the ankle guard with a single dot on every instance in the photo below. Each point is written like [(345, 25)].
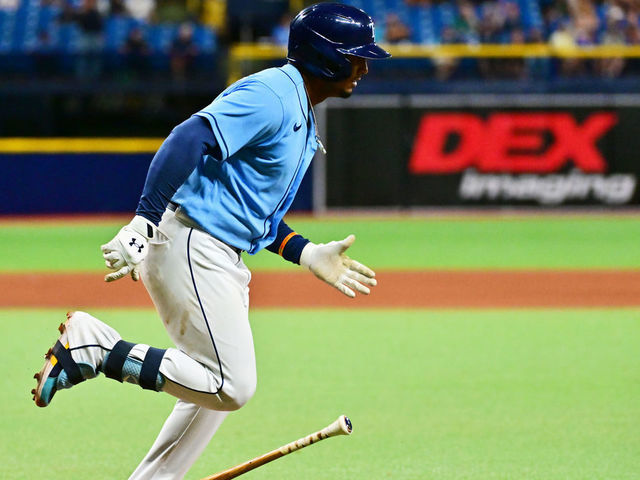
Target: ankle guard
[(119, 366), (68, 364)]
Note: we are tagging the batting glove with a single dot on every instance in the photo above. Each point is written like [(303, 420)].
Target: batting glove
[(128, 249), (329, 263)]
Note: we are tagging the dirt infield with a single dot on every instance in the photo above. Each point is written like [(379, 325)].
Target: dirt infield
[(420, 289)]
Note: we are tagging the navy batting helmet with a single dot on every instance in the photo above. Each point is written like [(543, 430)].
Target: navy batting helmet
[(322, 35)]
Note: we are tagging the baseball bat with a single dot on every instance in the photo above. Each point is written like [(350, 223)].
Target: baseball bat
[(342, 426)]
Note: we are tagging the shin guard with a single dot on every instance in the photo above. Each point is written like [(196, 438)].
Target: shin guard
[(121, 367)]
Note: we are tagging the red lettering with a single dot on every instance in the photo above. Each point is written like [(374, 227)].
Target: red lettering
[(513, 134), (580, 140), (429, 154), (532, 142)]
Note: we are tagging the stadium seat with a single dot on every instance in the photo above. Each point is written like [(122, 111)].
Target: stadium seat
[(116, 30), (161, 36), (69, 38), (205, 38), (7, 27)]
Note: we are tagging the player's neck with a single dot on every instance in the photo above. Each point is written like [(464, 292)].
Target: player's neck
[(316, 89)]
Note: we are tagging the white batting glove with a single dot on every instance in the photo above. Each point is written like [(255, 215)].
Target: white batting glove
[(329, 263), (128, 249)]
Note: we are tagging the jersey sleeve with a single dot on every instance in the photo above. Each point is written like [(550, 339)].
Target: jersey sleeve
[(288, 244), (173, 163), (244, 116)]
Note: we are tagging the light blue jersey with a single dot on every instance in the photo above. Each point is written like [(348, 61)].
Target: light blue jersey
[(266, 133)]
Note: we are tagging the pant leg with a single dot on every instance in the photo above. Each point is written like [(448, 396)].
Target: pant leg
[(200, 289), (182, 439)]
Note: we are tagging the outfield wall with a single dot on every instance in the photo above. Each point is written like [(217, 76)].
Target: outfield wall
[(82, 175), (481, 150), (383, 151)]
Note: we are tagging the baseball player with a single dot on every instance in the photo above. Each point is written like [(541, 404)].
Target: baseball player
[(220, 185)]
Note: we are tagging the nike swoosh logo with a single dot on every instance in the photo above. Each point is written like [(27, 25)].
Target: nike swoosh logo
[(296, 127)]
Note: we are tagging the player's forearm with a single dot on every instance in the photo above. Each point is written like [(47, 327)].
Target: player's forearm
[(173, 163), (288, 244)]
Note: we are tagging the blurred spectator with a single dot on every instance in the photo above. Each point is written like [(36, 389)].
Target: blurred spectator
[(213, 13), (490, 25), (140, 9), (563, 40), (537, 67), (117, 8), (68, 13), (467, 24), (555, 13), (280, 33), (136, 52), (614, 34), (446, 66), (9, 4), (514, 68), (90, 21), (395, 31), (632, 34), (564, 24), (512, 20), (254, 20), (562, 37), (585, 20), (183, 52), (170, 11)]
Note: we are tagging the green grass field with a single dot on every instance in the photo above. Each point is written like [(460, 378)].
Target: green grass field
[(508, 394), (494, 242)]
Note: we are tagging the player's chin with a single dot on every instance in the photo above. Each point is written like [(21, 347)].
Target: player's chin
[(346, 92)]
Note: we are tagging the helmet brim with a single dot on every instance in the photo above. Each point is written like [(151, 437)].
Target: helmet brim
[(371, 50)]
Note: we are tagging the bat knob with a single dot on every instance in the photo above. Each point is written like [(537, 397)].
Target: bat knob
[(346, 425)]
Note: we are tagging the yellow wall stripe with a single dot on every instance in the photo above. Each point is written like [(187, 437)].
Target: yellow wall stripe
[(79, 145), (246, 52), (255, 51)]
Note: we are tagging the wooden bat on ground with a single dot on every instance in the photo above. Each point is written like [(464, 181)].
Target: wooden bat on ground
[(342, 426)]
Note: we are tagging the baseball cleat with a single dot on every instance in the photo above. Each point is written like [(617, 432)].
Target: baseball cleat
[(60, 370), (47, 377)]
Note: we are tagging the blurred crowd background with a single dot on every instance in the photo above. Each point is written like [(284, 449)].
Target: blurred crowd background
[(93, 38), (150, 55)]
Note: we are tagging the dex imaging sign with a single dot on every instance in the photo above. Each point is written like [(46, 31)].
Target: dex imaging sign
[(544, 157), (484, 150)]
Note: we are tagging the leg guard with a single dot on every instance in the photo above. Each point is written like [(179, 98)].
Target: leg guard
[(67, 363), (114, 360), (120, 366), (150, 370)]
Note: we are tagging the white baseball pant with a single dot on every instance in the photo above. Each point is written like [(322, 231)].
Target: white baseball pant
[(200, 287)]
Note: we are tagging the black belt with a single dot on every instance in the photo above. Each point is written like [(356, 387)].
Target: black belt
[(173, 206)]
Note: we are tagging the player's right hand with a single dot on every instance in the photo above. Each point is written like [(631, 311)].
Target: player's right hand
[(128, 249)]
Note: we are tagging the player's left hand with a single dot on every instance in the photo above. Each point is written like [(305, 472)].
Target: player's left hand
[(127, 249), (329, 263)]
